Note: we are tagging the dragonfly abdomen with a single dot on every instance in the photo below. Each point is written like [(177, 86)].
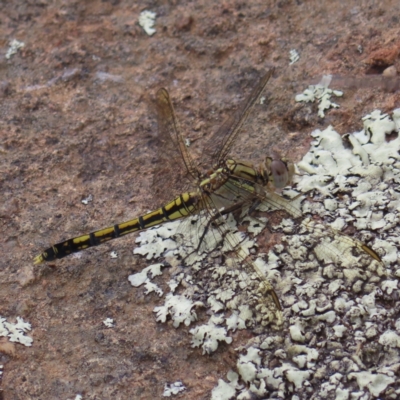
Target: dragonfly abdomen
[(182, 206)]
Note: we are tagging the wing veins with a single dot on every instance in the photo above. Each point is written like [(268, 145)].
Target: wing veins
[(279, 203), (167, 122), (233, 244), (231, 128)]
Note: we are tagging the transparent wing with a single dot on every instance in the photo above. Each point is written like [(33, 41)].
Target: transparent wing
[(224, 273), (222, 141), (239, 281), (169, 128), (175, 168), (325, 241)]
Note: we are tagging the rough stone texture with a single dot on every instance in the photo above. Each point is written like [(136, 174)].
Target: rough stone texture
[(76, 119)]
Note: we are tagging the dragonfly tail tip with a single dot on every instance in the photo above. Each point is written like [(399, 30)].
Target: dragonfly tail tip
[(38, 259)]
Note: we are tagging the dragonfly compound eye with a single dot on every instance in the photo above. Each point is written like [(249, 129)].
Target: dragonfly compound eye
[(280, 173)]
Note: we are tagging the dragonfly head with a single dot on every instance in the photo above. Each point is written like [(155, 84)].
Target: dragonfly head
[(279, 170), (276, 171)]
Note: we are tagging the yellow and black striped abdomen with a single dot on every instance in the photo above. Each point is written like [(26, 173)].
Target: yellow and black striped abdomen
[(182, 206)]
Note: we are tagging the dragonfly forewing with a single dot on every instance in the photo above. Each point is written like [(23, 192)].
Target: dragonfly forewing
[(327, 243), (222, 141), (175, 171), (169, 132), (222, 263)]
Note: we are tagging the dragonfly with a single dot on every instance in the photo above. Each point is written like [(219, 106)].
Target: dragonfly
[(230, 185)]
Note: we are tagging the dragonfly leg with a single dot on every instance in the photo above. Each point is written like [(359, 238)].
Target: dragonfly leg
[(252, 210), (225, 211), (254, 206)]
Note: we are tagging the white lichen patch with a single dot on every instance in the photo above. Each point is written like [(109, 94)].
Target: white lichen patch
[(375, 383), (248, 364), (109, 323), (173, 388), (322, 94), (207, 336), (294, 56), (147, 20), (87, 200), (16, 332), (178, 308), (143, 278), (15, 45), (156, 242), (224, 390)]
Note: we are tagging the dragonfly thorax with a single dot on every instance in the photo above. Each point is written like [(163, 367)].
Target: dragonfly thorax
[(247, 171)]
